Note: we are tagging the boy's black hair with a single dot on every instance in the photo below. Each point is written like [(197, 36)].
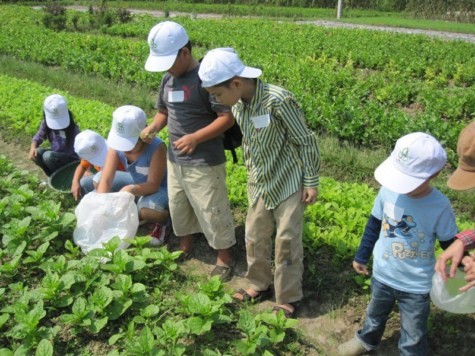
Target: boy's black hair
[(188, 45), (69, 130)]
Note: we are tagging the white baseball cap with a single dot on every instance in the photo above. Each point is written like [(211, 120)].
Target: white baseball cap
[(165, 40), (221, 64), (92, 147), (415, 158), (56, 112), (127, 123)]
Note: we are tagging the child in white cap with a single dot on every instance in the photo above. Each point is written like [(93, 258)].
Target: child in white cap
[(282, 160), (59, 128), (92, 149), (196, 159), (462, 179), (146, 162), (408, 216)]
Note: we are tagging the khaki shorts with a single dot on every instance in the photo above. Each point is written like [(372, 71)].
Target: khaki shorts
[(198, 202)]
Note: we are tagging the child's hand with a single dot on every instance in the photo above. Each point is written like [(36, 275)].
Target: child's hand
[(360, 268), (454, 253), (469, 262), (309, 195), (76, 190), (148, 134), (32, 153), (187, 144)]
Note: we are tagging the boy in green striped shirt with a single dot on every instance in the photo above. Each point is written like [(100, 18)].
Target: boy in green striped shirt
[(282, 160)]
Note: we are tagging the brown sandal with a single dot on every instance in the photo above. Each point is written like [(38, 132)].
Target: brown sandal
[(287, 313)]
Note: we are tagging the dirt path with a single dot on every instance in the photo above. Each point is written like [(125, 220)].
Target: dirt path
[(18, 154), (325, 23)]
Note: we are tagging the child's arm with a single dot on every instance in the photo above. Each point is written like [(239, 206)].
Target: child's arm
[(38, 139), (108, 173), (370, 236), (187, 144), (159, 122), (32, 153), (76, 186), (304, 139)]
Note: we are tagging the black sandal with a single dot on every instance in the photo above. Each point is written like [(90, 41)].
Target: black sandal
[(261, 296)]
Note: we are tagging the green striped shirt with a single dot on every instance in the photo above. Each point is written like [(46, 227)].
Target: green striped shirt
[(282, 155)]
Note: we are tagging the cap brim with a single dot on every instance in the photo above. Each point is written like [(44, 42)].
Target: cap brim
[(250, 72), (461, 180), (57, 123), (120, 143), (391, 178), (160, 63), (100, 158)]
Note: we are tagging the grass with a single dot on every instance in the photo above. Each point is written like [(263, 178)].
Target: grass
[(81, 85), (435, 25)]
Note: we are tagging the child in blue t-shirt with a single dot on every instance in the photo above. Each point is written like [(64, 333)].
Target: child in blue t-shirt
[(408, 216)]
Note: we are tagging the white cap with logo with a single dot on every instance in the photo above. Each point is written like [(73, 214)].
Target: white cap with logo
[(56, 112), (92, 147), (415, 158), (165, 40), (127, 123), (221, 64)]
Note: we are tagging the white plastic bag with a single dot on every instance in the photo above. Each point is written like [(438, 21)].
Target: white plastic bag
[(102, 216), (446, 295)]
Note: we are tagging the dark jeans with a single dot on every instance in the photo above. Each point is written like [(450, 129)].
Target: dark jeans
[(414, 312), (50, 161)]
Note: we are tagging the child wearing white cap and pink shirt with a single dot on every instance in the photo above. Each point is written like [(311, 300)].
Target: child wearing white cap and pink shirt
[(92, 149), (282, 160), (59, 128), (196, 160), (463, 179), (408, 216), (146, 163)]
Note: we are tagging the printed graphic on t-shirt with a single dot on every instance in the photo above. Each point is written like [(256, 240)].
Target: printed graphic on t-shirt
[(408, 243)]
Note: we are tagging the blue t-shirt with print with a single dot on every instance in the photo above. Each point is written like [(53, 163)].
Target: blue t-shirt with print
[(403, 256)]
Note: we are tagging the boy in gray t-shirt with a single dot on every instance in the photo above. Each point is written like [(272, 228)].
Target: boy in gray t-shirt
[(196, 162)]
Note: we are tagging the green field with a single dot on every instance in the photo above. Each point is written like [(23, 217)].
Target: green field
[(360, 91)]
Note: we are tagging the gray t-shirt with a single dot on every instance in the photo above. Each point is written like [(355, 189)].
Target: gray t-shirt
[(190, 108)]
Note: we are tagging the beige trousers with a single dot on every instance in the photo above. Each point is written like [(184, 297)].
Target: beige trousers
[(287, 220), (198, 201)]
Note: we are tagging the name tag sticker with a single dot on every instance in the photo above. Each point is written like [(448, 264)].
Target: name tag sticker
[(261, 121), (62, 134), (393, 212), (177, 96), (142, 170)]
